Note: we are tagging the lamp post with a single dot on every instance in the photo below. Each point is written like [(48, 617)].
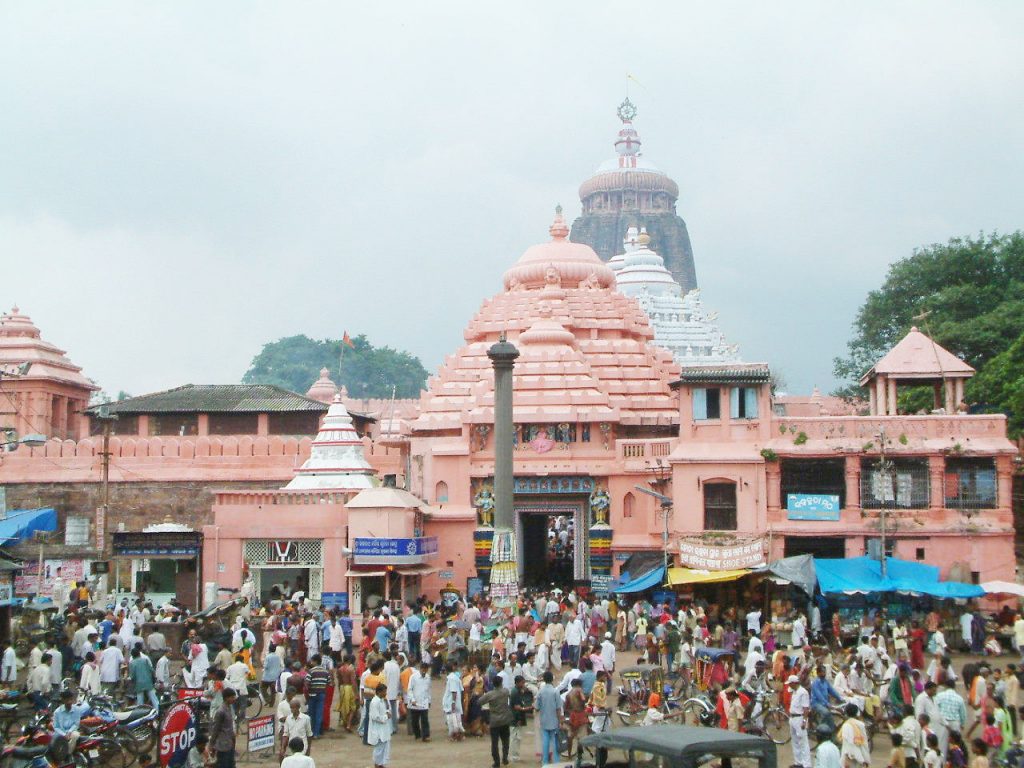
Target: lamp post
[(885, 467), (666, 512), (106, 419)]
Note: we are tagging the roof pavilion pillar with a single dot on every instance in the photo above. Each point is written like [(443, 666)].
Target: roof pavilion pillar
[(890, 398)]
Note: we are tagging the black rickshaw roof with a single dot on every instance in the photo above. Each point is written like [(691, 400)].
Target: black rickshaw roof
[(686, 745)]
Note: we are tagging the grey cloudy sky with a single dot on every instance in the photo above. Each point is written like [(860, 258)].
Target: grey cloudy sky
[(182, 182)]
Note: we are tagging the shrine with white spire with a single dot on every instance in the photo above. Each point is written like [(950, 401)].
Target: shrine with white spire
[(679, 321)]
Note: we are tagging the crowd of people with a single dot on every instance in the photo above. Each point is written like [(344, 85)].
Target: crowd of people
[(551, 657)]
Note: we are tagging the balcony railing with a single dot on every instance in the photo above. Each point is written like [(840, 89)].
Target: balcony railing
[(645, 449)]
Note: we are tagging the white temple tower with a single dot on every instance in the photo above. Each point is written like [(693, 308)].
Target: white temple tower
[(679, 321), (336, 461)]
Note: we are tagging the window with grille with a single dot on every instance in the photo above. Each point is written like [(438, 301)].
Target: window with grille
[(816, 476), (903, 486), (720, 506), (970, 483), (707, 404)]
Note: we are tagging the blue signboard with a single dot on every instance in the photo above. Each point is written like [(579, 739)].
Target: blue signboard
[(812, 506), (337, 600), (394, 551), (474, 587)]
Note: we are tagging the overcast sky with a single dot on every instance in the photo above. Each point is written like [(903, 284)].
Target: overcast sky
[(182, 182)]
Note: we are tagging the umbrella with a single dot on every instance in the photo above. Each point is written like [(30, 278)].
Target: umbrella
[(1003, 588)]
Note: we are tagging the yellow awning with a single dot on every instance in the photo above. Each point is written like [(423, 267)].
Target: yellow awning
[(678, 576)]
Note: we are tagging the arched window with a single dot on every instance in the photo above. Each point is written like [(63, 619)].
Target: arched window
[(719, 506), (441, 492), (627, 505)]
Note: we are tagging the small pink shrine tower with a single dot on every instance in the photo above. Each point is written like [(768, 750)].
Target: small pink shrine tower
[(43, 391)]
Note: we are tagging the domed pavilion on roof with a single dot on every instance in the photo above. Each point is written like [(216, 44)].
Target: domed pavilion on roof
[(588, 379)]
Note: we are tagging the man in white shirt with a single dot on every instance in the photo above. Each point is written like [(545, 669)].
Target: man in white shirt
[(311, 637), (336, 639), (236, 677), (754, 621), (39, 683), (566, 683), (110, 666), (200, 661), (827, 754), (574, 638), (608, 653), (419, 702), (799, 635), (393, 680), (799, 710), (755, 644), (1018, 634), (297, 759), (296, 726)]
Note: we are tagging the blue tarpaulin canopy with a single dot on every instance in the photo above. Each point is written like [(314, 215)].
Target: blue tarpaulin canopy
[(647, 581), (858, 575), (21, 524)]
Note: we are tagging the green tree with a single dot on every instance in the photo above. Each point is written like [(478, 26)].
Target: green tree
[(366, 371), (968, 294)]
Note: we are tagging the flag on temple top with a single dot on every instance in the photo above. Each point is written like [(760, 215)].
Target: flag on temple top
[(346, 339)]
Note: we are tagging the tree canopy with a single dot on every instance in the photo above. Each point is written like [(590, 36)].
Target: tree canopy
[(366, 371), (968, 295)]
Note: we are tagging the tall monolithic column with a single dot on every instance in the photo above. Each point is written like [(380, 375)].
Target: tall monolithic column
[(503, 356), (504, 584)]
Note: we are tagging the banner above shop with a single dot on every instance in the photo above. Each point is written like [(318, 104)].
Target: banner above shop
[(366, 551), (721, 556), (169, 544), (812, 506)]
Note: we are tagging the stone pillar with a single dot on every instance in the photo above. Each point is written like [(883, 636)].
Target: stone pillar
[(503, 357), (872, 405), (958, 392), (1004, 482), (950, 402), (773, 486), (879, 383), (505, 564), (936, 482), (263, 424), (203, 425), (890, 399), (853, 483), (143, 425)]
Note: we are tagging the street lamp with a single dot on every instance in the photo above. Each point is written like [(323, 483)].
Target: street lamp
[(666, 512), (32, 440)]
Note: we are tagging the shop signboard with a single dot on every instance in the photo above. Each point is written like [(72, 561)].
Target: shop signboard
[(158, 544), (474, 587), (367, 551), (721, 556), (177, 735), (338, 600), (812, 506), (6, 590), (261, 733), (600, 584)]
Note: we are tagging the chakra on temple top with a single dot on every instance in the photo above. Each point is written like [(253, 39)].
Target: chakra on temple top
[(626, 111)]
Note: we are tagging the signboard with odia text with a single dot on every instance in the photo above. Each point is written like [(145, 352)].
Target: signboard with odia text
[(812, 506), (715, 556)]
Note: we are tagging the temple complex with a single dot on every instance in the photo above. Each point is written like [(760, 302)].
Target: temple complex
[(628, 190), (680, 323)]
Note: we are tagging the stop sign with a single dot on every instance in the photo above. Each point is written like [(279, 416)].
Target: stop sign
[(177, 734)]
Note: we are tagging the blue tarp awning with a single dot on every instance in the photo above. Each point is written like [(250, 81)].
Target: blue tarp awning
[(647, 581), (864, 574), (21, 524)]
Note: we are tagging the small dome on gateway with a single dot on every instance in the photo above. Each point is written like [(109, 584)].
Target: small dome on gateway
[(559, 263)]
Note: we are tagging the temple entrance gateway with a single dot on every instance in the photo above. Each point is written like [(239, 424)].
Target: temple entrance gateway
[(551, 538), (271, 562)]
